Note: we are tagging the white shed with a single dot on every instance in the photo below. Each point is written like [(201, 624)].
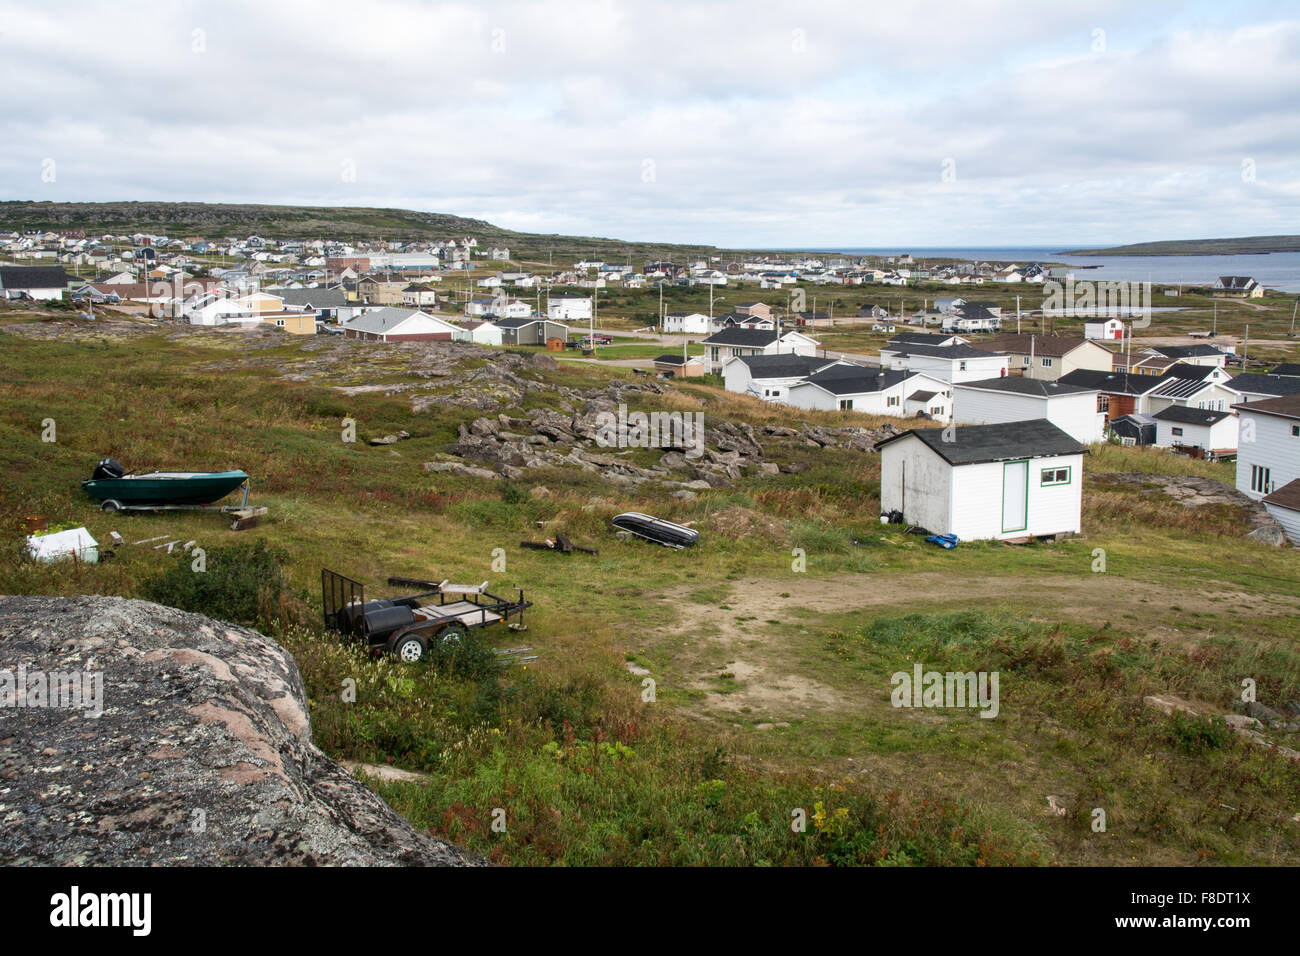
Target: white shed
[(1207, 428), (1011, 480), (1072, 408)]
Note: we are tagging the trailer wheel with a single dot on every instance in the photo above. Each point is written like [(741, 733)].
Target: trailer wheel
[(409, 649), (452, 636), (111, 505)]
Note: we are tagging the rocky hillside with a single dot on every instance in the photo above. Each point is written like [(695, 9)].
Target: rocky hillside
[(202, 753)]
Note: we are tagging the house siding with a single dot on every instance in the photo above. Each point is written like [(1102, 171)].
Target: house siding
[(1271, 446), (1075, 414), (1052, 509), (915, 481)]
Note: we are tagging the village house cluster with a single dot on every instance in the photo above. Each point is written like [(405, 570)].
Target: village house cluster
[(1013, 400)]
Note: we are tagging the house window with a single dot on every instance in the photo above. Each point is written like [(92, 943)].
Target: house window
[(1177, 432), (936, 411), (1056, 476), (1024, 360), (1103, 403), (846, 404), (1047, 363), (961, 366), (713, 352), (891, 401), (1259, 479), (1295, 431)]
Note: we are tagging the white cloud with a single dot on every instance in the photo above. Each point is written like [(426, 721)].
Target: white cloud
[(767, 124)]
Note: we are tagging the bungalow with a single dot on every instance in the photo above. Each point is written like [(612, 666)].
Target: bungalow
[(1010, 480), (681, 366), (1256, 387), (568, 308), (1071, 408), (531, 331), (873, 391), (402, 325), (417, 295), (1190, 354), (293, 321), (691, 323), (741, 320), (949, 363), (1049, 356), (33, 282), (330, 304), (1205, 432), (731, 342), (1268, 456), (1237, 287), (769, 376), (927, 338)]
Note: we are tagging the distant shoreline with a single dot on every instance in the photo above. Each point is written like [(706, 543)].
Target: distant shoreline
[(1243, 246)]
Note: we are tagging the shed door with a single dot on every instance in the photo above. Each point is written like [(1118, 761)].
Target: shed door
[(1015, 492)]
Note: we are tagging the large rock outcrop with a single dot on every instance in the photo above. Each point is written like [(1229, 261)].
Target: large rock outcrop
[(202, 753)]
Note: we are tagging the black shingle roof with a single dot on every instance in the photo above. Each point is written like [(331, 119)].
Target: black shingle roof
[(749, 338), (783, 365), (33, 277), (1266, 384), (1190, 416), (1020, 385), (842, 380), (1008, 441), (1116, 383)]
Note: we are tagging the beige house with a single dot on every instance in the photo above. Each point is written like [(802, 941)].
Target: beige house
[(1049, 357)]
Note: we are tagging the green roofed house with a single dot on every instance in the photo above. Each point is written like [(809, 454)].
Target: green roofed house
[(985, 482)]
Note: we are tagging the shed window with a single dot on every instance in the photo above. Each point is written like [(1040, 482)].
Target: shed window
[(1177, 432), (1056, 476)]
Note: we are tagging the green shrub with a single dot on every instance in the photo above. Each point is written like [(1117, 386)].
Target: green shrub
[(242, 583)]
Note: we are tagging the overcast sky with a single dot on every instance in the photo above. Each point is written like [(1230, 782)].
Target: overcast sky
[(744, 124)]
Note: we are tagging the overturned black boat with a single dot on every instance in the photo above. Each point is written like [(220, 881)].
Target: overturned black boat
[(656, 529)]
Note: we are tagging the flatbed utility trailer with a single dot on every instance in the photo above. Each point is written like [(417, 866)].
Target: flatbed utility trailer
[(406, 627)]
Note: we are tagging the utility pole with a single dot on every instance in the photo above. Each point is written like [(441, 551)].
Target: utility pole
[(1293, 310)]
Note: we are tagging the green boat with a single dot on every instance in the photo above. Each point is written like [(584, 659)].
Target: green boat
[(160, 489)]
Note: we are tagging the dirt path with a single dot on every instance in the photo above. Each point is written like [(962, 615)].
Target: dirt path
[(757, 660)]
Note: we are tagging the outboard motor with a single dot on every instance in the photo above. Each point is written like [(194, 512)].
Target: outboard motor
[(108, 468)]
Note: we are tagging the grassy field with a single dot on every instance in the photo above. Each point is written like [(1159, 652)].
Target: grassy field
[(771, 683)]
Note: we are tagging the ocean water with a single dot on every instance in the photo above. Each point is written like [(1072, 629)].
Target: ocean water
[(1276, 270)]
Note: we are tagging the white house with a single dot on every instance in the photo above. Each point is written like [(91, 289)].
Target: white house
[(731, 342), (950, 363), (873, 391), (568, 308), (770, 376), (690, 323), (34, 282), (1071, 408), (403, 325), (1212, 430), (1268, 453), (1012, 480), (1196, 386)]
